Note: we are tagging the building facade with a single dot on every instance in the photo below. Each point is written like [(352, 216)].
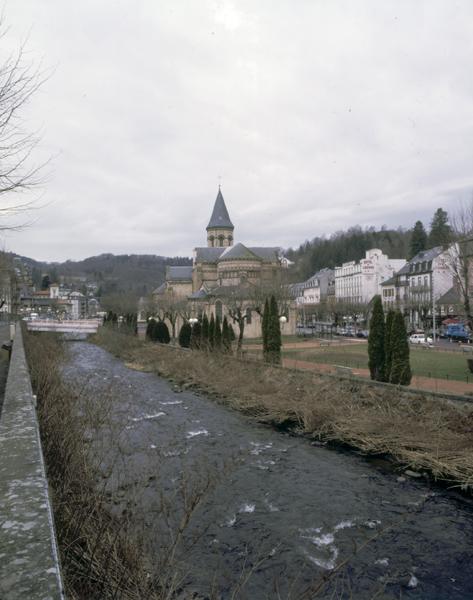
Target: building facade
[(226, 277), (358, 282)]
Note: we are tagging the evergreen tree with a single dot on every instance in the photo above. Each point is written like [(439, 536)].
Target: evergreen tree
[(226, 336), (274, 333), (150, 330), (218, 334), (418, 239), (196, 336), (376, 357), (162, 333), (400, 367), (388, 344), (440, 230), (45, 282), (185, 335), (205, 333), (264, 328), (212, 332)]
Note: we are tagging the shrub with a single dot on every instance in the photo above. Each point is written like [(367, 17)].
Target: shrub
[(196, 336), (400, 367), (162, 333), (388, 344), (185, 335), (376, 355)]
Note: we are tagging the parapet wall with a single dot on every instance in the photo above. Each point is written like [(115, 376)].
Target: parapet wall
[(29, 561)]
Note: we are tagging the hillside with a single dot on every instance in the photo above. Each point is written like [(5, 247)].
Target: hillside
[(344, 246), (137, 274)]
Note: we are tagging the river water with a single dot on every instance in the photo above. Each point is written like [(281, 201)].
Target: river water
[(277, 513)]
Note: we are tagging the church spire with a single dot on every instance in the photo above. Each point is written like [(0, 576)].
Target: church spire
[(220, 228)]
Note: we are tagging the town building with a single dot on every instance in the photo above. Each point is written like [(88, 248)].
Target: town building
[(225, 278), (421, 287), (358, 282)]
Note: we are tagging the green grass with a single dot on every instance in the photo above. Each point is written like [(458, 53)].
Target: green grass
[(286, 339), (425, 363)]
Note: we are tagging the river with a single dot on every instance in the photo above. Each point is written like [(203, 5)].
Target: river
[(273, 513)]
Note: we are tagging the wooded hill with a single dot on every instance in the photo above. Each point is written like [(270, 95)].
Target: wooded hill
[(343, 246), (135, 273)]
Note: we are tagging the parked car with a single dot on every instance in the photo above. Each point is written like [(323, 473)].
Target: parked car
[(457, 332), (362, 333), (420, 338)]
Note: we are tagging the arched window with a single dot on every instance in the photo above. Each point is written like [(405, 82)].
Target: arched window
[(211, 240), (230, 240), (248, 316), (218, 310), (220, 240)]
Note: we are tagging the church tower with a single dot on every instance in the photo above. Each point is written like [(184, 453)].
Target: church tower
[(220, 228)]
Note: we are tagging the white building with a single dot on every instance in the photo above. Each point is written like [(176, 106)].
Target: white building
[(358, 282)]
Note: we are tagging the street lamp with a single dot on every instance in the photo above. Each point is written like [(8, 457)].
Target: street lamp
[(193, 321), (282, 320)]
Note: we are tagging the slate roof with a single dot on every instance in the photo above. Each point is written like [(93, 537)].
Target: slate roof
[(212, 255), (450, 297), (238, 252), (161, 289), (208, 255), (179, 273), (199, 295), (220, 217), (390, 281), (427, 255)]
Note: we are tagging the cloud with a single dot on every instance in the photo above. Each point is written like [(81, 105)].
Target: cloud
[(318, 116)]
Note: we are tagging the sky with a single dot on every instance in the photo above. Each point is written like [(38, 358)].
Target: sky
[(313, 115)]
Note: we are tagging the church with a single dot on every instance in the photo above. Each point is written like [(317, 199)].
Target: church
[(225, 276)]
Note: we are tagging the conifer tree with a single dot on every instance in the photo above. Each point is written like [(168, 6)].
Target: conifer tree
[(149, 329), (440, 230), (185, 335), (226, 336), (196, 336), (418, 239), (388, 344), (218, 335), (273, 333), (264, 328), (162, 333), (212, 332), (376, 357), (232, 332), (400, 366), (205, 333)]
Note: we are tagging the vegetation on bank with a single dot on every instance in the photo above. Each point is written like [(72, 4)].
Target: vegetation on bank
[(420, 432), (101, 556)]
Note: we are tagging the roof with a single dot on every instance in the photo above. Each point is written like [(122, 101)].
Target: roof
[(390, 281), (199, 295), (220, 217), (208, 255), (161, 289), (179, 273), (427, 254), (267, 254), (238, 252), (450, 297)]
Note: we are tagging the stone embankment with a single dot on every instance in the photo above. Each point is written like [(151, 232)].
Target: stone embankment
[(29, 562)]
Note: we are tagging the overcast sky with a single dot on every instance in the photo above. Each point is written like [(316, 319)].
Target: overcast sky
[(317, 115)]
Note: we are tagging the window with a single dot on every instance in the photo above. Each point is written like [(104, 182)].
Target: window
[(248, 316), (220, 240)]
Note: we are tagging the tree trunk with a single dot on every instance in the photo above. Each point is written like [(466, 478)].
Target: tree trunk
[(241, 327)]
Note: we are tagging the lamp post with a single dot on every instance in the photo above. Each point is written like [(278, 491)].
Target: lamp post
[(193, 321)]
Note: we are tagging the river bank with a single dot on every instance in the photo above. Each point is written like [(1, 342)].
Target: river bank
[(420, 433)]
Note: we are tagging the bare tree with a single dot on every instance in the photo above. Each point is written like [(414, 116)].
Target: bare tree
[(19, 80), (460, 254)]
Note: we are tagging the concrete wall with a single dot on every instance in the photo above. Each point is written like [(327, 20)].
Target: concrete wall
[(29, 562)]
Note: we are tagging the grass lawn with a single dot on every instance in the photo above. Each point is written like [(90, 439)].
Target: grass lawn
[(426, 363), (286, 339)]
